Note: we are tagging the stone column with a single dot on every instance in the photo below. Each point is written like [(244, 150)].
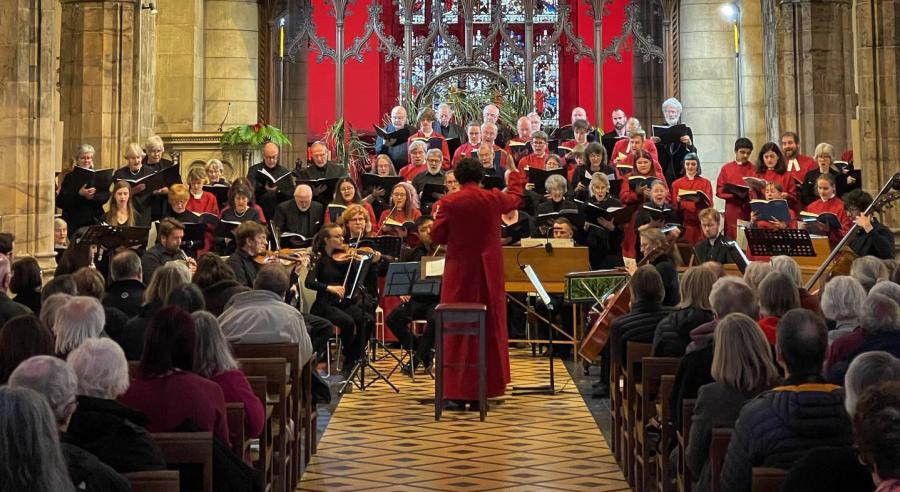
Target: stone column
[(878, 61), (98, 77), (815, 59), (753, 79), (179, 60), (231, 63), (29, 124), (294, 98)]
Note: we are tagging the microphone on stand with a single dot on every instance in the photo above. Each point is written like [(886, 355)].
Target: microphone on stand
[(227, 110)]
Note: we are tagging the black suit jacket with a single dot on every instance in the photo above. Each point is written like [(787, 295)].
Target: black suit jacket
[(718, 251), (289, 218), (77, 210), (451, 131), (398, 151), (268, 200)]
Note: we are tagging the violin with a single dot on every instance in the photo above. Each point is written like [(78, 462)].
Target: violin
[(346, 255), (287, 257)]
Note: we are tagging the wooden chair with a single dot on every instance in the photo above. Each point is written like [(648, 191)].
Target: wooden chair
[(718, 446), (275, 370), (665, 482), (634, 352), (646, 397), (239, 442), (153, 481), (188, 448), (262, 459), (767, 479), (684, 478), (460, 319)]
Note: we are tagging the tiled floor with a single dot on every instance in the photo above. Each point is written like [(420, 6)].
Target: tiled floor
[(380, 440)]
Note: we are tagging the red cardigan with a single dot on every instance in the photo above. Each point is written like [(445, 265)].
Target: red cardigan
[(237, 389)]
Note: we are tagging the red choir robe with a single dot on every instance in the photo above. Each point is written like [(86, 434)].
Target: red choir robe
[(428, 141), (534, 161), (401, 217), (465, 150), (569, 146), (622, 145), (835, 206), (518, 148), (629, 197), (735, 208), (468, 222), (787, 184), (799, 166), (410, 171), (205, 204), (689, 209)]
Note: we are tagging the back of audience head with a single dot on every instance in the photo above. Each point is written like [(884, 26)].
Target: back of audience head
[(777, 295), (59, 284), (125, 265), (79, 319), (869, 270), (895, 277), (800, 343), (742, 358), (188, 297), (889, 289), (212, 354), (53, 379), (879, 314), (272, 278), (646, 285), (166, 278), (26, 276), (211, 268), (49, 308), (169, 343), (7, 242), (30, 440), (101, 368), (789, 267), (20, 338), (715, 267), (695, 286), (867, 370), (876, 429), (891, 265), (841, 298), (733, 295), (755, 272), (89, 282)]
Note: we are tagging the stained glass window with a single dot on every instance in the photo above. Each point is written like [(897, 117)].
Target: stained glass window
[(511, 63), (482, 12), (544, 11), (513, 11), (546, 84), (451, 11), (418, 13)]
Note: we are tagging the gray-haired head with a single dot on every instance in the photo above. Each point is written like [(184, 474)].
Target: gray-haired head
[(842, 298), (869, 270), (788, 266), (889, 289), (868, 369), (79, 319), (125, 265), (101, 368), (52, 378), (418, 145), (212, 354), (732, 295), (49, 308), (555, 182), (879, 314), (755, 272)]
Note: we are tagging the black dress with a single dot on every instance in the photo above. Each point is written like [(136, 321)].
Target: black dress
[(348, 316)]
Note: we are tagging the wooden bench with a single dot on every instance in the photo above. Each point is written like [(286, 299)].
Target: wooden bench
[(262, 459), (718, 447), (153, 481), (275, 370), (236, 429), (634, 352), (188, 448), (684, 479), (665, 481), (767, 479), (646, 398)]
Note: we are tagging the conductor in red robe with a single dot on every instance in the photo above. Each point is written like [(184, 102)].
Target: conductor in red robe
[(468, 223)]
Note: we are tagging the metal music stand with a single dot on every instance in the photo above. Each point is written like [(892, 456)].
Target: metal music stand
[(112, 237), (775, 242), (404, 279), (548, 302)]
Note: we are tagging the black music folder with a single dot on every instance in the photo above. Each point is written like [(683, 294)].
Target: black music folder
[(92, 178), (387, 183), (539, 178), (160, 179)]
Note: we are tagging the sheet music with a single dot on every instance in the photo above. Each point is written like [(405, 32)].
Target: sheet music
[(434, 268)]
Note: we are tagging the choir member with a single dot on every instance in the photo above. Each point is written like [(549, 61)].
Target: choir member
[(828, 202), (491, 114), (238, 210), (603, 239), (396, 150), (269, 194), (556, 202), (141, 197), (535, 120), (243, 181), (773, 191), (618, 132), (81, 206), (671, 156), (300, 215), (595, 161), (870, 237), (417, 306), (796, 164), (382, 167), (404, 208), (489, 136), (520, 145), (473, 136), (200, 202), (654, 241), (538, 157), (60, 237), (319, 167), (154, 160), (657, 218), (215, 173), (737, 204), (345, 194), (450, 182), (445, 125), (580, 129), (432, 139), (432, 176), (491, 166), (467, 223), (250, 240), (824, 156), (121, 206), (567, 132), (179, 195), (643, 167), (417, 150), (688, 207), (770, 166), (712, 247), (637, 140), (515, 225)]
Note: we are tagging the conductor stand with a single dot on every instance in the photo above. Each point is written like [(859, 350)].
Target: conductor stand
[(357, 375), (545, 298)]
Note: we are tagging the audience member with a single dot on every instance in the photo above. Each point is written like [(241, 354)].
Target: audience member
[(165, 279), (102, 425), (20, 338), (869, 270), (31, 459), (673, 333), (8, 308), (50, 306), (90, 283), (876, 430), (777, 296), (742, 368), (54, 380), (777, 427), (217, 281), (76, 321), (187, 297), (879, 318), (59, 284), (889, 289), (125, 291), (165, 389), (788, 266), (755, 272), (26, 283), (841, 299)]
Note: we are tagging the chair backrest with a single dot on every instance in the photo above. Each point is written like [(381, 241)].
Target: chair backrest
[(767, 479), (188, 448), (153, 481), (718, 447)]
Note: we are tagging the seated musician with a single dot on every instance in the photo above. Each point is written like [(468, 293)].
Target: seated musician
[(468, 149), (120, 211), (141, 198), (358, 226), (538, 157), (870, 238), (167, 248), (712, 247), (328, 278), (416, 307), (828, 202), (404, 209), (81, 206), (417, 150), (250, 240), (603, 239), (562, 315), (596, 161), (301, 216), (345, 194), (664, 257), (432, 175), (376, 196), (556, 202), (431, 138), (656, 213)]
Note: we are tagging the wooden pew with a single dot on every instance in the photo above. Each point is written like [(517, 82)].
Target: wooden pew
[(718, 447), (275, 371), (188, 448), (665, 482), (262, 460), (685, 479), (646, 397), (239, 442), (634, 352), (615, 399), (153, 481), (767, 479)]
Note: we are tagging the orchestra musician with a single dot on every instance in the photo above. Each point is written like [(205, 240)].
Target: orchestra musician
[(250, 240), (269, 194), (81, 206), (432, 139), (302, 215), (141, 198), (712, 247), (345, 194), (167, 248), (737, 205), (688, 207), (603, 239), (121, 206), (871, 238)]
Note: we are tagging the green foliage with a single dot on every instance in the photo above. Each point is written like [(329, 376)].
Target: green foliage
[(347, 144), (468, 104), (254, 136)]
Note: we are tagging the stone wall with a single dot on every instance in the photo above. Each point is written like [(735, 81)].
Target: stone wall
[(179, 66), (231, 63)]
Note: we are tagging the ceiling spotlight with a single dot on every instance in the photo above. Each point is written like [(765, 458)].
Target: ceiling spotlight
[(151, 6), (730, 11)]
